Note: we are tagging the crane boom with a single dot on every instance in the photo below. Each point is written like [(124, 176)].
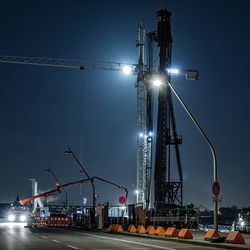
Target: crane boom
[(58, 189), (65, 63)]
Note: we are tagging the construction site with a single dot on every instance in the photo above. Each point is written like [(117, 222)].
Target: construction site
[(159, 198), (160, 182)]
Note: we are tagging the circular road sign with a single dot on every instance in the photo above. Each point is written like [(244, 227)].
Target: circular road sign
[(122, 199), (216, 188)]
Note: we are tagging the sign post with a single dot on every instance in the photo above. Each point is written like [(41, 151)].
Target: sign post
[(122, 200)]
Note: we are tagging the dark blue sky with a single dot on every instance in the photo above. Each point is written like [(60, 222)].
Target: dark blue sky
[(45, 109)]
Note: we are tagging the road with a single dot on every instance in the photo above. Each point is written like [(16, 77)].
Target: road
[(16, 236)]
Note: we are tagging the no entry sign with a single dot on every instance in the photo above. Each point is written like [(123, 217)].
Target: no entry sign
[(216, 188), (122, 199)]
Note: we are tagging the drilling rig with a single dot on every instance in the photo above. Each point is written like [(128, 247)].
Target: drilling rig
[(165, 191)]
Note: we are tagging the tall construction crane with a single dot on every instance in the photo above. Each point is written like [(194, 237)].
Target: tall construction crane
[(166, 191), (140, 69)]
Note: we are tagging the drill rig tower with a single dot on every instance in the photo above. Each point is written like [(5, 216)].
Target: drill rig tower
[(166, 191)]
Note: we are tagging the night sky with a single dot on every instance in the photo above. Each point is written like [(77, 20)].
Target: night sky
[(94, 112)]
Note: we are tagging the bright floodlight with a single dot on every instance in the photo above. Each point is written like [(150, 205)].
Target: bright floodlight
[(150, 133), (173, 71), (141, 134), (11, 217), (136, 191), (157, 82), (126, 70)]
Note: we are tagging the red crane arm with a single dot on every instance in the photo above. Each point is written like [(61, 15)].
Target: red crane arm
[(72, 183), (109, 182)]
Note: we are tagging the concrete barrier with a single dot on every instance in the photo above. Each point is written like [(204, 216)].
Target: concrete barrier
[(185, 234), (131, 229), (235, 237), (160, 231), (119, 229), (141, 229), (172, 232), (210, 234), (150, 230)]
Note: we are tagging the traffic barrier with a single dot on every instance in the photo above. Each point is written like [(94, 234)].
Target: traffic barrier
[(150, 230), (58, 222), (235, 237), (160, 231), (211, 233), (171, 232), (185, 234), (141, 229), (119, 229), (110, 227), (41, 221), (131, 229), (113, 227)]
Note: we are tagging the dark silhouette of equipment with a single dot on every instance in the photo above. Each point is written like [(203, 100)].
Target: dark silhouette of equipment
[(166, 191)]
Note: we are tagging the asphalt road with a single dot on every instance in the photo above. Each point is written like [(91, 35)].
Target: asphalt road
[(15, 236)]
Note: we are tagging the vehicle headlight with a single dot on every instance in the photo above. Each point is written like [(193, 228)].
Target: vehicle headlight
[(22, 218), (11, 217)]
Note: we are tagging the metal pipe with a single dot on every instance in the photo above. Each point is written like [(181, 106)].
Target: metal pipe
[(210, 146)]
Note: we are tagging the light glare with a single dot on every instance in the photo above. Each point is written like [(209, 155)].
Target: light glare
[(126, 70), (157, 82), (173, 71), (11, 217), (22, 218)]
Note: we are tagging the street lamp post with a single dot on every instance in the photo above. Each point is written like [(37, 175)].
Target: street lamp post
[(210, 146), (58, 183), (69, 151)]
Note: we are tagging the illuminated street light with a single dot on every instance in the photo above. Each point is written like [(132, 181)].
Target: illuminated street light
[(127, 70), (141, 134), (210, 146), (157, 82), (173, 71), (150, 133)]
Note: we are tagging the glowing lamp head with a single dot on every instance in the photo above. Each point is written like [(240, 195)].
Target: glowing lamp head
[(150, 133), (141, 134), (127, 70), (157, 82), (173, 71)]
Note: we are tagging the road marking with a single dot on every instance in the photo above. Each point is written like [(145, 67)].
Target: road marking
[(44, 237), (57, 241), (128, 241), (72, 247)]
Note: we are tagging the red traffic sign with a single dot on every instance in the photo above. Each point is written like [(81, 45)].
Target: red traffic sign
[(122, 199), (216, 188)]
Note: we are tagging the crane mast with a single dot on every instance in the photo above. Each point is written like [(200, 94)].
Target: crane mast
[(141, 119)]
